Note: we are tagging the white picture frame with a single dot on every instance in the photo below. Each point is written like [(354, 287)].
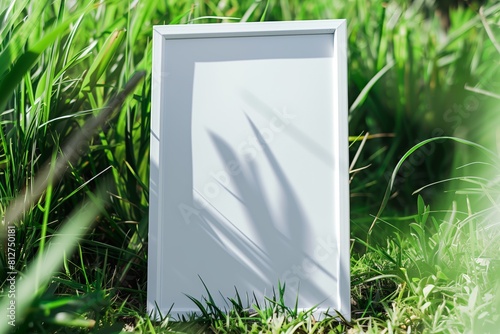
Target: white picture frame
[(249, 165)]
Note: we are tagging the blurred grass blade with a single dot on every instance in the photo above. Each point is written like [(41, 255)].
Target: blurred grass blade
[(482, 92), (70, 152), (215, 17), (264, 13), (487, 27), (72, 320), (61, 243)]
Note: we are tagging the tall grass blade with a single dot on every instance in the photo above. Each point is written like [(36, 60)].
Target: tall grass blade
[(103, 59), (51, 260), (26, 60), (15, 45), (364, 92)]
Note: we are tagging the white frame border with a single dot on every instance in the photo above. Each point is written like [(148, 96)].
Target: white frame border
[(338, 30)]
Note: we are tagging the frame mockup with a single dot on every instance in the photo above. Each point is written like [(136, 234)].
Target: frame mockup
[(249, 165)]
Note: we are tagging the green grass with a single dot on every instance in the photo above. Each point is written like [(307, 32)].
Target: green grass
[(425, 258)]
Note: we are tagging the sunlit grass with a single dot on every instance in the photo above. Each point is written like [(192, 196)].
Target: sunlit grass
[(427, 263)]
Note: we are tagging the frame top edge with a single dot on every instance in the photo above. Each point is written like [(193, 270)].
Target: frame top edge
[(249, 28)]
